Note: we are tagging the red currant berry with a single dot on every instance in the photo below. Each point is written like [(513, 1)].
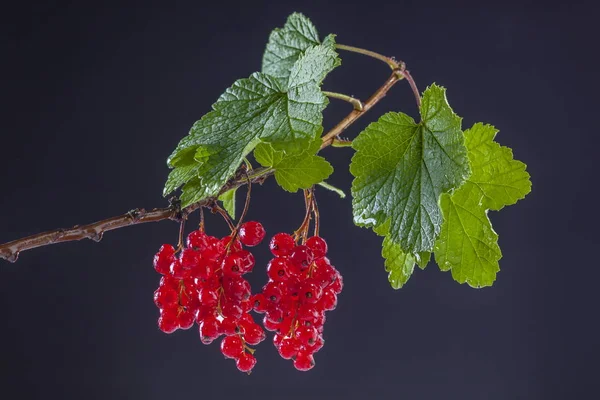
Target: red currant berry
[(197, 240), (306, 335), (246, 306), (309, 291), (165, 297), (316, 346), (307, 312), (189, 258), (237, 289), (253, 334), (288, 348), (208, 297), (189, 297), (304, 361), (269, 324), (245, 362), (167, 322), (169, 281), (246, 261), (205, 312), (302, 256), (328, 300), (318, 245), (228, 327), (232, 265), (213, 282), (338, 284), (278, 268), (277, 338), (177, 270), (232, 346), (209, 329), (235, 246), (214, 248), (323, 272), (272, 292), (259, 303), (186, 319), (231, 310), (164, 258), (251, 233), (281, 244)]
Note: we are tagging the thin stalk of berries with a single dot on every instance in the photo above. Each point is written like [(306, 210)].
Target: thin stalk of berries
[(204, 284), (302, 286)]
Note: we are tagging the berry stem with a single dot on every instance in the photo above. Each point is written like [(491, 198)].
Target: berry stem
[(247, 203), (315, 210), (201, 225), (181, 233), (215, 208)]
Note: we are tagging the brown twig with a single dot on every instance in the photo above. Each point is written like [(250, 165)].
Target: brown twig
[(10, 251), (356, 114)]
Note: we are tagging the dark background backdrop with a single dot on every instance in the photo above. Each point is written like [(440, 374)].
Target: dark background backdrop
[(94, 98)]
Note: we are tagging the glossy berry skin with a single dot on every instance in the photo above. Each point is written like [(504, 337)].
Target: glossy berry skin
[(232, 346), (245, 362), (301, 256), (309, 292), (251, 233), (253, 334), (304, 361), (165, 297), (235, 246), (209, 329), (186, 319), (278, 268), (328, 300), (167, 322), (208, 297), (197, 240), (164, 258), (282, 244), (259, 303), (318, 246), (246, 261), (306, 335)]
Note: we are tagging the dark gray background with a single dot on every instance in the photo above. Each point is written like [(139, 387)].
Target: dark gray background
[(94, 98)]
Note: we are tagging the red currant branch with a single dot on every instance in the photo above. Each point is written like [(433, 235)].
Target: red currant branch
[(10, 251)]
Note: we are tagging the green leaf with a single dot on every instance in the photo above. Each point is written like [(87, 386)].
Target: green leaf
[(228, 200), (296, 171), (286, 45), (398, 264), (468, 245), (254, 110), (402, 167), (423, 258)]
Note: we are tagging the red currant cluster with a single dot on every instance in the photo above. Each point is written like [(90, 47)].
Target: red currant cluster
[(204, 284), (302, 286)]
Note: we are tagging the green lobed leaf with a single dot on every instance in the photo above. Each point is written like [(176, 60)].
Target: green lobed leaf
[(228, 200), (398, 264), (286, 45), (296, 171), (254, 110), (468, 245), (402, 167)]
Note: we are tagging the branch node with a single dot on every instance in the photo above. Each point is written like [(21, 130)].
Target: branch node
[(13, 257)]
